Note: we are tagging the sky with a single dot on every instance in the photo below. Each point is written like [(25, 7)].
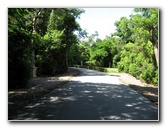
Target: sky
[(102, 19)]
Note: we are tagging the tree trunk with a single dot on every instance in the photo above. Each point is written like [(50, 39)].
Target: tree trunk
[(155, 45), (156, 54), (81, 63), (109, 64), (67, 65), (34, 68), (33, 51)]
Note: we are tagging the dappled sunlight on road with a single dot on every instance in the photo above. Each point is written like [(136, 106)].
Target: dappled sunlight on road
[(91, 98)]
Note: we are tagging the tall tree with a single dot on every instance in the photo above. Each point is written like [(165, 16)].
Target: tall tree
[(70, 25), (59, 37), (35, 16), (140, 55), (148, 20)]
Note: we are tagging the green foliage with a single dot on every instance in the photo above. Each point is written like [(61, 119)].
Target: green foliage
[(148, 72), (155, 79), (92, 63), (111, 70), (52, 40), (116, 59), (137, 58), (18, 48), (130, 48), (139, 64), (134, 69), (102, 53), (124, 29), (49, 33), (74, 57), (126, 57), (57, 41)]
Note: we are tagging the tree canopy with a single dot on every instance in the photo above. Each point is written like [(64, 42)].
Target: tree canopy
[(49, 39), (40, 37), (133, 48)]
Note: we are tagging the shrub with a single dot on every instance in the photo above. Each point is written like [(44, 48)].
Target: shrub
[(138, 61), (116, 59), (155, 79), (148, 72), (134, 70)]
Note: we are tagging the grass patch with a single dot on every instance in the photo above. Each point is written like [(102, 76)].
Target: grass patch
[(101, 69), (111, 70)]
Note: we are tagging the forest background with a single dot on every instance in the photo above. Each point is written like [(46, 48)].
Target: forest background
[(49, 40)]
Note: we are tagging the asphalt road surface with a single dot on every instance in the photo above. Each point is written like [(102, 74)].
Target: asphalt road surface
[(91, 96)]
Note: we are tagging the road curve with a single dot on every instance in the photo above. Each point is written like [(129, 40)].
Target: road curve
[(91, 96)]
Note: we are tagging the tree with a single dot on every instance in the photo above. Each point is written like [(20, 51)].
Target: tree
[(148, 19), (138, 57), (58, 39), (19, 38), (35, 15), (137, 60), (124, 29), (40, 37)]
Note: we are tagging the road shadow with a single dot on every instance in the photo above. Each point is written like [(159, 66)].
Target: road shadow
[(89, 72), (78, 100), (114, 75), (149, 92)]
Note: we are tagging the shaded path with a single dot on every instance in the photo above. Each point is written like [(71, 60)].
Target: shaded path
[(91, 96)]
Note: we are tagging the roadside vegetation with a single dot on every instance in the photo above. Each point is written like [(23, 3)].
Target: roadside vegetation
[(50, 40), (133, 48), (112, 70)]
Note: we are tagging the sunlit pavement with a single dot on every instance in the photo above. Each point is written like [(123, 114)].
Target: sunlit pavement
[(91, 96)]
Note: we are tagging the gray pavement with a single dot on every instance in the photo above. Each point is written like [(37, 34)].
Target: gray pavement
[(91, 96)]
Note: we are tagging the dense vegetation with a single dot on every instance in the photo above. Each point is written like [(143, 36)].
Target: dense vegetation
[(39, 38), (49, 39), (133, 48), (139, 56)]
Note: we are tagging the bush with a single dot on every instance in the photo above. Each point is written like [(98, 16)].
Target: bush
[(134, 70), (116, 59), (138, 61), (155, 79), (100, 69), (93, 63), (51, 65), (148, 73)]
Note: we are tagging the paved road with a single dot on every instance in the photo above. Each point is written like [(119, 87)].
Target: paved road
[(91, 96)]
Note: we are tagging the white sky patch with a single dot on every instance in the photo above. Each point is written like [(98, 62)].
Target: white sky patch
[(102, 19)]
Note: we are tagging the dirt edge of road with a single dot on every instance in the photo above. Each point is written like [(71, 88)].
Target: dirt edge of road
[(36, 88), (147, 90)]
